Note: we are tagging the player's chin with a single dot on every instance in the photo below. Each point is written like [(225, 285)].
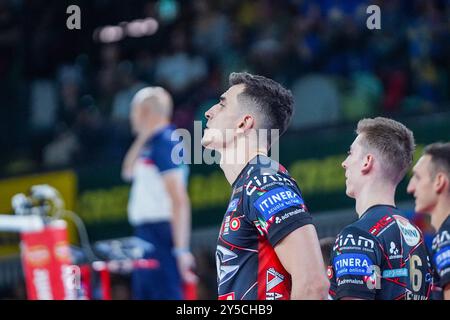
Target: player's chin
[(349, 192), (207, 143), (419, 208)]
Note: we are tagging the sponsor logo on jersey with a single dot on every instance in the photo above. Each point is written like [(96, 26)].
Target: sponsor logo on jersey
[(441, 239), (351, 281), (277, 200), (258, 182), (409, 232), (226, 225), (394, 251), (273, 296), (352, 264), (235, 224), (287, 215), (233, 205), (330, 272), (225, 272), (381, 225), (442, 258), (273, 278), (350, 241), (395, 273)]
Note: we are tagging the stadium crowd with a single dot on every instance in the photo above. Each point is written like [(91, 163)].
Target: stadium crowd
[(66, 95)]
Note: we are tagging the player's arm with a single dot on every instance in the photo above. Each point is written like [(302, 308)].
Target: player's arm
[(447, 292), (181, 220), (132, 155), (290, 231), (306, 266)]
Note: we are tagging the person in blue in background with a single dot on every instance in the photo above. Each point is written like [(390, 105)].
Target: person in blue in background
[(158, 207)]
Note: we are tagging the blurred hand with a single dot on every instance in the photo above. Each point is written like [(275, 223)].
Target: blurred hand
[(186, 264)]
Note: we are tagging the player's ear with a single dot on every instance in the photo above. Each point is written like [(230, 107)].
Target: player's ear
[(246, 123), (441, 183), (368, 163)]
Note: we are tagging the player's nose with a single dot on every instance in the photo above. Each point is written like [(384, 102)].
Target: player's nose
[(208, 114), (410, 188)]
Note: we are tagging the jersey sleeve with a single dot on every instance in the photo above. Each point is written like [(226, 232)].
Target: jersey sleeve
[(442, 262), (441, 255), (278, 209), (355, 265), (163, 157)]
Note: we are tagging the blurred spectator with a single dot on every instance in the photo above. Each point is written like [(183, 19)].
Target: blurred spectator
[(9, 37), (211, 34), (43, 104), (402, 68), (179, 70), (129, 84), (363, 97), (108, 76), (396, 85), (62, 150), (69, 82), (316, 101)]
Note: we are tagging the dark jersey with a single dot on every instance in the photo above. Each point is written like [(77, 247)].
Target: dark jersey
[(381, 256), (265, 206), (441, 257)]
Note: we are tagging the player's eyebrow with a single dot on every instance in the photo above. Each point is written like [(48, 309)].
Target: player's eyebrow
[(223, 99)]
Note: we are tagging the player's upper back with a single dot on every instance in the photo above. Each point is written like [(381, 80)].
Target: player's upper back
[(381, 256)]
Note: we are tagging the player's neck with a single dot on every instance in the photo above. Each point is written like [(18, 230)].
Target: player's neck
[(440, 212), (154, 128), (374, 194), (158, 126), (232, 161)]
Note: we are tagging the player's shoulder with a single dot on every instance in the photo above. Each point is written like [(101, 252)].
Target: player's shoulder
[(442, 237), (445, 226), (355, 242), (164, 136), (381, 220), (265, 177), (369, 230), (355, 232)]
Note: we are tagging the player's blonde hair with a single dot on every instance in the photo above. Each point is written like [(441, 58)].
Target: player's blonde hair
[(393, 141)]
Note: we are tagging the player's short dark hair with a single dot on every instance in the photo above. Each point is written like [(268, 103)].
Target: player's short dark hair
[(393, 141), (271, 100), (440, 157)]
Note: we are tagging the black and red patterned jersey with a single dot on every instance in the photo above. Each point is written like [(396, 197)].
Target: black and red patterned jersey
[(441, 258), (382, 256), (265, 206)]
